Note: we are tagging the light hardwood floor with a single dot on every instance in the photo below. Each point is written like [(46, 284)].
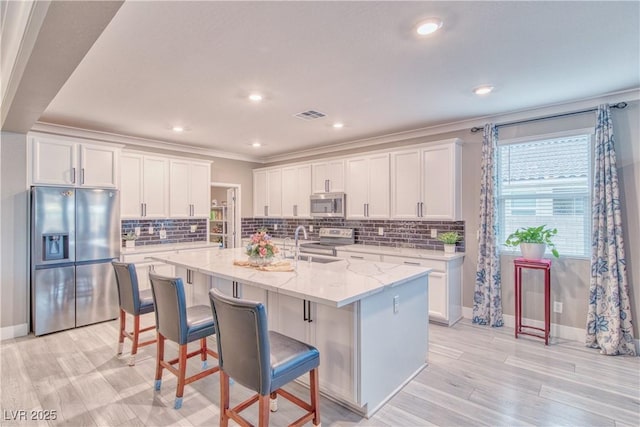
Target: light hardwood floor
[(476, 376)]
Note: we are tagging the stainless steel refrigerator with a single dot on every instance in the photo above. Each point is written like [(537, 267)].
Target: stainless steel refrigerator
[(75, 234)]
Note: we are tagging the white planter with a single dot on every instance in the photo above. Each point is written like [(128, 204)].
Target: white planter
[(129, 243), (449, 249), (532, 250)]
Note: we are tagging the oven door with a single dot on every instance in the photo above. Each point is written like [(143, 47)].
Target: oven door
[(317, 249)]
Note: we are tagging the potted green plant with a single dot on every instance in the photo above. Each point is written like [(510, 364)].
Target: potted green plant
[(533, 241), (449, 239), (130, 239)]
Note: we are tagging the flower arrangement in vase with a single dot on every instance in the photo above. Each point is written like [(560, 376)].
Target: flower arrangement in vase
[(261, 249)]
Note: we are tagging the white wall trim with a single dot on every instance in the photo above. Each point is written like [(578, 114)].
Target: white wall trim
[(558, 331), (132, 141), (9, 332)]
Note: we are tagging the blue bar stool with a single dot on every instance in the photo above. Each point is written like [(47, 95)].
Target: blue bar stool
[(134, 302), (181, 324), (260, 360)]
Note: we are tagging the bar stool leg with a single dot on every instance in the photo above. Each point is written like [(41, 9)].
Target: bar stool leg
[(159, 359), (123, 321), (263, 411), (224, 399), (182, 371)]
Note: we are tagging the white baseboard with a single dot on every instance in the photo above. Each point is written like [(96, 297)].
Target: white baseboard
[(15, 331), (558, 331)]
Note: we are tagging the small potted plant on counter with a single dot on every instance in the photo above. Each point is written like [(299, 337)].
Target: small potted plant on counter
[(533, 241), (450, 238), (130, 239)]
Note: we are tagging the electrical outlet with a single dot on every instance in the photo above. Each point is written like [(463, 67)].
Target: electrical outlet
[(396, 304), (163, 233), (557, 307), (275, 226), (311, 228), (150, 230), (380, 231), (434, 233), (137, 231), (194, 228)]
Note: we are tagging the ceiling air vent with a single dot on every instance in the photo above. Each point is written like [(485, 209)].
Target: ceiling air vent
[(310, 115)]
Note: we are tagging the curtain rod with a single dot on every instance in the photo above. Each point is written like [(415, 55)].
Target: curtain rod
[(619, 105)]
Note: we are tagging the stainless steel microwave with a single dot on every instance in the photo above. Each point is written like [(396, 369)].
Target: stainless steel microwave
[(328, 205)]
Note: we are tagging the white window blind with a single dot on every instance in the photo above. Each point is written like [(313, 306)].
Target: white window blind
[(547, 181)]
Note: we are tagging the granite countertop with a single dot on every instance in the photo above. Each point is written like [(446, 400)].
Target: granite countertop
[(335, 284), (403, 252)]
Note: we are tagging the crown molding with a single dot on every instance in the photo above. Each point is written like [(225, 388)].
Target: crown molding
[(131, 142)]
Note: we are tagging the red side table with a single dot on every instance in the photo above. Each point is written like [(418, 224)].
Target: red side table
[(539, 264)]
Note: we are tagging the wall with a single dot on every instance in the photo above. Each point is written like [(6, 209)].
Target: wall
[(14, 289), (570, 276), (178, 230), (406, 234)]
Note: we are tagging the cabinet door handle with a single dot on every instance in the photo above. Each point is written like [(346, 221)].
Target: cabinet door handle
[(326, 185), (141, 209), (190, 276), (412, 263), (367, 210), (266, 210), (73, 175), (357, 257), (364, 209), (82, 176), (295, 210), (422, 209), (309, 312), (305, 317), (145, 209), (418, 209)]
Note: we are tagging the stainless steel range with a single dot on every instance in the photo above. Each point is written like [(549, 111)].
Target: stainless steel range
[(330, 239)]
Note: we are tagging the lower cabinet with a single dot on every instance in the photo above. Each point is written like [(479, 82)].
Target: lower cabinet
[(445, 287), (196, 286), (331, 330), (358, 255), (240, 290)]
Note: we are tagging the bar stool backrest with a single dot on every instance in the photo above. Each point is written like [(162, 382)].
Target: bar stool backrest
[(243, 336), (128, 290), (171, 307)]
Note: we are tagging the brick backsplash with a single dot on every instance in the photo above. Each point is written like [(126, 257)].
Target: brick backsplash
[(412, 234), (178, 230)]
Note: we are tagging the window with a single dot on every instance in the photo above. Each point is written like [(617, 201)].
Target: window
[(547, 181)]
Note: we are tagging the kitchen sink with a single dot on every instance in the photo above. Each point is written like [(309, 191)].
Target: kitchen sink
[(318, 259)]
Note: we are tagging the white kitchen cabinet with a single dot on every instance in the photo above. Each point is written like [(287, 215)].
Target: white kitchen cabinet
[(196, 286), (144, 189), (73, 162), (189, 188), (328, 176), (267, 192), (426, 182), (239, 290), (296, 189), (331, 330), (367, 187), (445, 286)]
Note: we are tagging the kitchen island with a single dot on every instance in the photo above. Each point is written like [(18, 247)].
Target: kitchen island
[(367, 319)]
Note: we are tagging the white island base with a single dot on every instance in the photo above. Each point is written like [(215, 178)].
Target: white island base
[(367, 319)]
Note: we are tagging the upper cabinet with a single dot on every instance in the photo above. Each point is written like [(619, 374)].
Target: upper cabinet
[(144, 190), (328, 176), (367, 187), (267, 192), (296, 188), (73, 162), (425, 182), (189, 188)]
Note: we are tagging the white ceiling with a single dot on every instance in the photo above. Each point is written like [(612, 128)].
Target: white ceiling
[(160, 64)]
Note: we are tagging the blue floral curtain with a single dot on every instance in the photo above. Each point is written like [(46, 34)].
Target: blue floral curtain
[(609, 325), (487, 298)]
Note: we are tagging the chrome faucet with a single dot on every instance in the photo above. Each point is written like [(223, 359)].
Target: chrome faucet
[(295, 237)]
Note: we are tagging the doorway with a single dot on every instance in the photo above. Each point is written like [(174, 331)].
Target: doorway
[(224, 221)]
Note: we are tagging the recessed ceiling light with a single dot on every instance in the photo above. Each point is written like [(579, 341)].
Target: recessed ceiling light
[(256, 145), (177, 128), (483, 90), (255, 97), (428, 26), (338, 125)]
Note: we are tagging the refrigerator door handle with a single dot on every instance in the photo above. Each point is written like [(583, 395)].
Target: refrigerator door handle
[(82, 176), (73, 175)]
